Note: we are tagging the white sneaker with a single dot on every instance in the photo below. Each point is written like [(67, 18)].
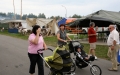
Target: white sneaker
[(95, 58)]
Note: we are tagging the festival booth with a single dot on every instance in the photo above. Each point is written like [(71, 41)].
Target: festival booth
[(48, 25), (102, 18), (67, 21), (13, 25)]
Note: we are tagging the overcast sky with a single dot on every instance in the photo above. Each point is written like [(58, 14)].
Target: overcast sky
[(59, 7)]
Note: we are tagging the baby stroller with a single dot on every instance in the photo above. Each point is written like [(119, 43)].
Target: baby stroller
[(60, 63), (82, 60)]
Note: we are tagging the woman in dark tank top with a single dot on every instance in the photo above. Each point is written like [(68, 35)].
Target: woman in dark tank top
[(62, 35)]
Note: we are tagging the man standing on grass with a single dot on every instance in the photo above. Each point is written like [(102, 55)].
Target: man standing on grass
[(113, 44), (92, 39)]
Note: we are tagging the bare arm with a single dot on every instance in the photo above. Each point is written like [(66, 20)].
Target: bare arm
[(92, 34), (58, 37), (35, 41), (44, 45), (68, 37), (114, 43)]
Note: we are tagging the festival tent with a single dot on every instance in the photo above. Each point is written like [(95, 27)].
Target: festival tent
[(13, 25), (48, 23), (102, 18), (66, 21)]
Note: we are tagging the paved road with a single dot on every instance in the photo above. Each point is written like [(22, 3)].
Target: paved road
[(14, 59)]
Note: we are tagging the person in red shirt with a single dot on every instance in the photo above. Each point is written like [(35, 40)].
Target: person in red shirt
[(92, 39)]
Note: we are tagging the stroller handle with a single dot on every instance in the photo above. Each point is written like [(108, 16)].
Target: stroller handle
[(44, 49), (67, 42), (50, 49), (71, 40)]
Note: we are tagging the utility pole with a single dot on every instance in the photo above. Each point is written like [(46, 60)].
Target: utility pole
[(66, 11), (21, 9), (14, 10)]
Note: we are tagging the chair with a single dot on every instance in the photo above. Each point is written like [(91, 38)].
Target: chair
[(105, 37), (75, 37)]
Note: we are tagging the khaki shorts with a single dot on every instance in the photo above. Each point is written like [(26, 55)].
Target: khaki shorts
[(92, 45)]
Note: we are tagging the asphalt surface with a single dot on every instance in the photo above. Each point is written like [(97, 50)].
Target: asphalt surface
[(14, 59)]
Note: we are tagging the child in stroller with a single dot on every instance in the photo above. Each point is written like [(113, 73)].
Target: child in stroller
[(81, 56), (82, 59)]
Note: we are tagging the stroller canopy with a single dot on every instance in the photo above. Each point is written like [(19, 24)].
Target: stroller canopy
[(61, 55), (60, 58)]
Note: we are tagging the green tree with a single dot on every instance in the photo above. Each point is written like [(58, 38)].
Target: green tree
[(10, 15), (3, 14), (24, 16), (32, 16), (41, 15), (52, 17), (17, 16), (57, 17), (76, 16)]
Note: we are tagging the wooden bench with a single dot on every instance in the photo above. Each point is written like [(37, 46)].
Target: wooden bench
[(76, 31)]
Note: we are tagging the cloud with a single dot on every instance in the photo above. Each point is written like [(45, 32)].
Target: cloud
[(54, 7)]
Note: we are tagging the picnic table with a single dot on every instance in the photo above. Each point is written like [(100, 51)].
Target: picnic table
[(100, 35)]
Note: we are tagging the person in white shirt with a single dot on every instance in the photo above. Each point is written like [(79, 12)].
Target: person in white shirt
[(113, 44)]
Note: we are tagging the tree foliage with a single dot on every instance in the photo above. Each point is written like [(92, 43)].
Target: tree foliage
[(11, 15), (76, 16), (41, 15), (56, 17)]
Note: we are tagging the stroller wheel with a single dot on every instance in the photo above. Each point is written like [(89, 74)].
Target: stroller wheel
[(73, 67), (95, 70)]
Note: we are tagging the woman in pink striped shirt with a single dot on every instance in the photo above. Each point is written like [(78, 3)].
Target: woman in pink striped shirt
[(36, 42)]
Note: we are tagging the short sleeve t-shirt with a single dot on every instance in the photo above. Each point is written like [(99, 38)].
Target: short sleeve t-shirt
[(114, 35), (32, 48), (92, 39)]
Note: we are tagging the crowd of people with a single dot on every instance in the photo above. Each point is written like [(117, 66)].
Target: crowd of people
[(37, 42)]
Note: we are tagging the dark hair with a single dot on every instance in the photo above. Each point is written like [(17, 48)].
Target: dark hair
[(91, 23), (35, 27), (62, 25), (80, 46)]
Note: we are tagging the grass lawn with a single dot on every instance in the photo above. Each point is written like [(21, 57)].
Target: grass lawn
[(101, 50)]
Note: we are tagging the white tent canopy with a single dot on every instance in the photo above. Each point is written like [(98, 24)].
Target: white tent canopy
[(15, 23), (49, 23)]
